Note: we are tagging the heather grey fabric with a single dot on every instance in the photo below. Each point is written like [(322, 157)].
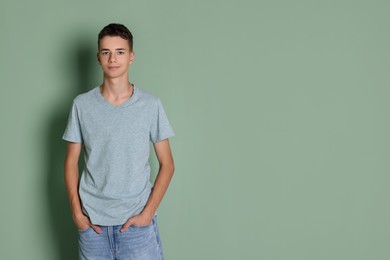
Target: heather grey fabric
[(115, 184)]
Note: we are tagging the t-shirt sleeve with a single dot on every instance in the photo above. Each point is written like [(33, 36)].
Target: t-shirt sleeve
[(160, 127), (73, 131)]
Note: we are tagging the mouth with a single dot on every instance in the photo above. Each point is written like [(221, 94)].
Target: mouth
[(113, 68)]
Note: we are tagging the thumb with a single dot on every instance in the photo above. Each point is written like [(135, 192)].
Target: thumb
[(94, 227), (127, 225), (97, 229)]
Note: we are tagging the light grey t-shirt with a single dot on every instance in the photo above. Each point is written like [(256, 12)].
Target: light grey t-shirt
[(114, 184)]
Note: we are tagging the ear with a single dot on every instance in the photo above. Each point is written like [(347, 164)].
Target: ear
[(131, 57), (98, 57)]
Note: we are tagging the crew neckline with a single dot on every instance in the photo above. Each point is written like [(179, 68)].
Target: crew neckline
[(108, 104)]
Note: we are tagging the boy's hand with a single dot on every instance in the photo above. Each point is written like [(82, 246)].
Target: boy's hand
[(139, 220), (82, 222)]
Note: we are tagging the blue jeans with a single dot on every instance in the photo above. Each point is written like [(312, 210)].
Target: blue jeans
[(136, 243)]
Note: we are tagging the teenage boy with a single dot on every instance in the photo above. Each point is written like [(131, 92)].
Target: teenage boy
[(114, 206)]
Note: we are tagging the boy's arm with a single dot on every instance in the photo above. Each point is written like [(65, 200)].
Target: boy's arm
[(71, 174), (164, 176)]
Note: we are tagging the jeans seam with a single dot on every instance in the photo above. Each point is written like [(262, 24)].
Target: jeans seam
[(158, 237), (112, 249)]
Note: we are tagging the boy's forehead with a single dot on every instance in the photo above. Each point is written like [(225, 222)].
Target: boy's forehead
[(113, 42)]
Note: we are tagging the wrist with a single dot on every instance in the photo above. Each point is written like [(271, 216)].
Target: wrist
[(77, 214), (148, 213)]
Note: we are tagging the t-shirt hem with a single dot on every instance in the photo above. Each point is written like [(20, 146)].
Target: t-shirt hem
[(163, 138), (73, 140)]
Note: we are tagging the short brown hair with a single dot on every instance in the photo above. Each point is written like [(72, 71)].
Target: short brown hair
[(116, 29)]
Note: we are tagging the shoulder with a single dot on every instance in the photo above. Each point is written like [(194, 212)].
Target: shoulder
[(85, 97), (147, 96)]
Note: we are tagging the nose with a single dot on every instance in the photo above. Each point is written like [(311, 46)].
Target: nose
[(112, 57)]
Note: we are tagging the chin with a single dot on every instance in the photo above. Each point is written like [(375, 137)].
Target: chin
[(113, 75)]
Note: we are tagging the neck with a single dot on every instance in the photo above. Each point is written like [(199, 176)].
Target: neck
[(116, 87)]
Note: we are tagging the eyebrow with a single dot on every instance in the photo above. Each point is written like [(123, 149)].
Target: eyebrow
[(118, 49)]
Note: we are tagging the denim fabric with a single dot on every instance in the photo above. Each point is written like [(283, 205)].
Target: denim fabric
[(136, 243)]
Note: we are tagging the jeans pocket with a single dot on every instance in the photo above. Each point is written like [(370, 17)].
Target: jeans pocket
[(141, 227), (83, 230), (146, 226)]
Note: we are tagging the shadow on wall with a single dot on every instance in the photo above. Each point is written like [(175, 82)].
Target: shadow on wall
[(78, 70)]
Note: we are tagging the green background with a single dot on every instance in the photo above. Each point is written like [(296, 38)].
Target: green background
[(280, 110)]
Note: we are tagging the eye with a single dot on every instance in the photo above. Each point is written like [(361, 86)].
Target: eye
[(120, 52), (105, 53)]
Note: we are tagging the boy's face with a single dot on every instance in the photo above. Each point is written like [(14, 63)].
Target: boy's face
[(114, 56)]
